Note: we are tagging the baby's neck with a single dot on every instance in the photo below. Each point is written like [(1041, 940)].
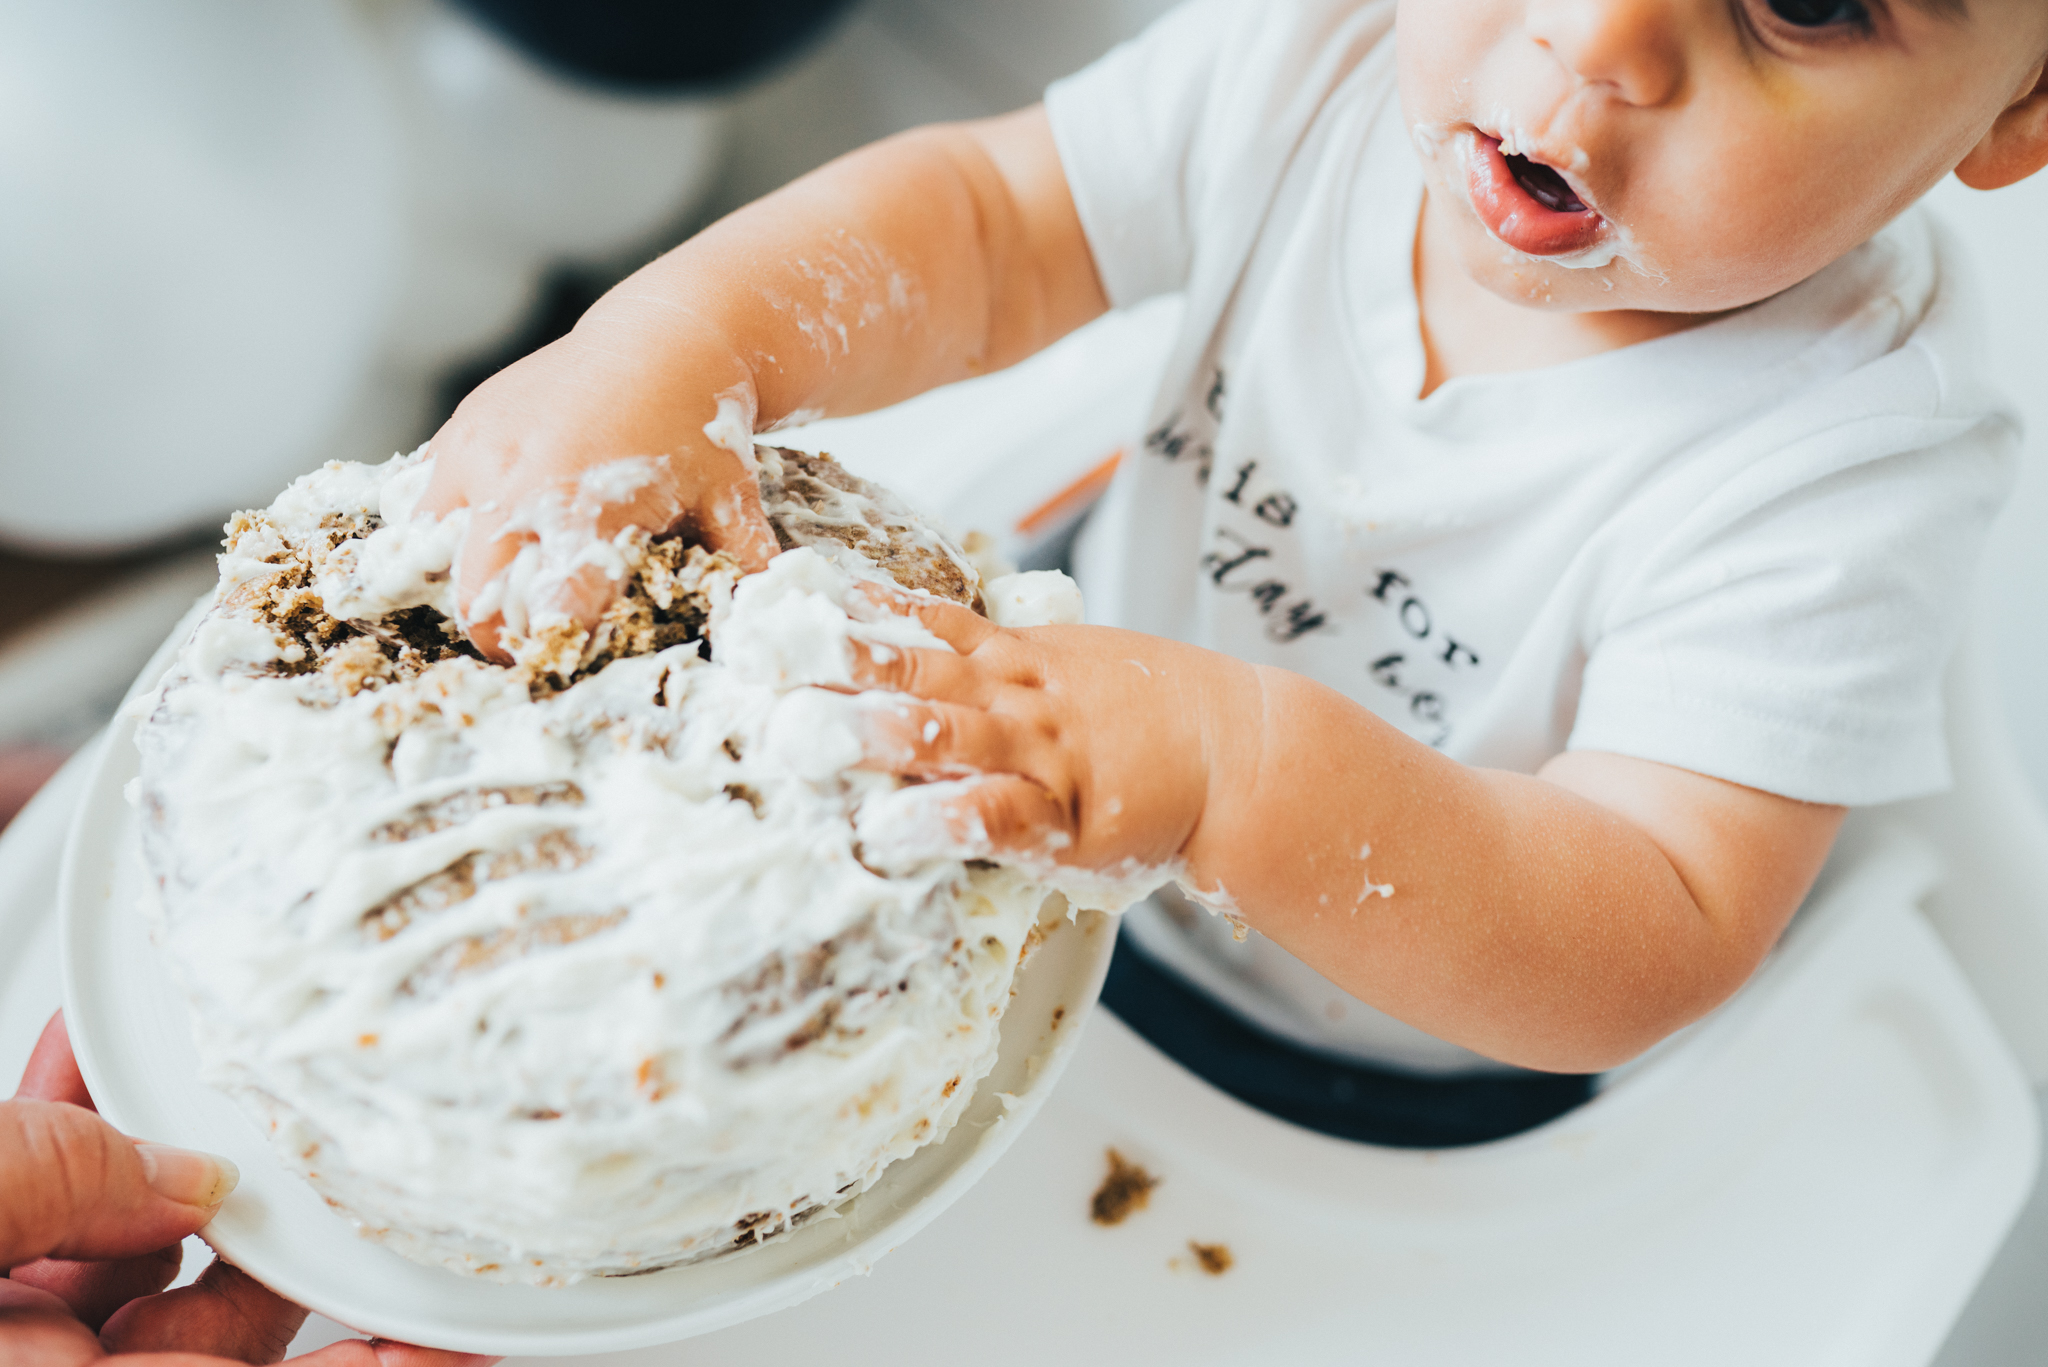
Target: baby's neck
[(1467, 329)]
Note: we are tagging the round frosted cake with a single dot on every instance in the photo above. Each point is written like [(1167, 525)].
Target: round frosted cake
[(569, 967)]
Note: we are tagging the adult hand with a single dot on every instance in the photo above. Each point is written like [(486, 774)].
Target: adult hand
[(90, 1229), (24, 769)]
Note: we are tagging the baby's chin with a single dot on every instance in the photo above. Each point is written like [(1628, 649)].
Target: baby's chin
[(1535, 283), (1647, 271), (1605, 283)]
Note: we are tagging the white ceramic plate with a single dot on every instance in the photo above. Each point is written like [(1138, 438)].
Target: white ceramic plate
[(130, 1029)]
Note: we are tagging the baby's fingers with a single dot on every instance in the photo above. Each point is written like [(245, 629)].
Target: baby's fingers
[(959, 627), (481, 568), (540, 545), (940, 675), (901, 735), (732, 520), (985, 817), (551, 557)]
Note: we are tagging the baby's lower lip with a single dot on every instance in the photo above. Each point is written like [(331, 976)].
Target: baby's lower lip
[(1516, 216)]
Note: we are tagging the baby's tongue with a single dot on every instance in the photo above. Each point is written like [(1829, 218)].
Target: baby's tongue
[(1546, 186)]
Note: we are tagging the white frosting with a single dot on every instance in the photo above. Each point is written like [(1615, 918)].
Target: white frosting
[(1614, 244), (732, 427), (406, 564), (529, 591), (678, 1005), (220, 642), (1036, 598), (1371, 889), (796, 417)]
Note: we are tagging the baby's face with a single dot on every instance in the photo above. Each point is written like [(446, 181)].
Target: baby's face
[(1694, 155)]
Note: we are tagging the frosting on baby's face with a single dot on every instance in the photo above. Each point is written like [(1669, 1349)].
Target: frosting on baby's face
[(1695, 155)]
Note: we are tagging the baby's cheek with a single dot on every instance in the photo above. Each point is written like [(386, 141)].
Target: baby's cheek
[(1439, 47)]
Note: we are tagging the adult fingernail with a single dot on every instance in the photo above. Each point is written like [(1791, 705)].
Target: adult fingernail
[(187, 1176)]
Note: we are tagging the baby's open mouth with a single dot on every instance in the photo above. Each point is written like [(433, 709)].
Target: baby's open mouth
[(1545, 185), (1526, 204)]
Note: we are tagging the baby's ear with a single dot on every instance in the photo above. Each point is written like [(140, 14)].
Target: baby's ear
[(2016, 146)]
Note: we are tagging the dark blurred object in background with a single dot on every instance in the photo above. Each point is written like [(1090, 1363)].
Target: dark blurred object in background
[(656, 46)]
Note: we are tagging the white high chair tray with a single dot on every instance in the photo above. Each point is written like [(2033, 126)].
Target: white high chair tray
[(131, 1032)]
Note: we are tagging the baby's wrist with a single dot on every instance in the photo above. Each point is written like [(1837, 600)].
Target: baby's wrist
[(694, 347), (1231, 741)]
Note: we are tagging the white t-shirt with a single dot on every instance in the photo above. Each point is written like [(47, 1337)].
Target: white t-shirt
[(1745, 549)]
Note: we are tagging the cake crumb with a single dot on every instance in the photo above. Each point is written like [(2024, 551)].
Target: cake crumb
[(1127, 1189), (1214, 1259)]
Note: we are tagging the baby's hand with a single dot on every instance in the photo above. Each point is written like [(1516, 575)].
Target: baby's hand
[(1094, 746), (557, 453)]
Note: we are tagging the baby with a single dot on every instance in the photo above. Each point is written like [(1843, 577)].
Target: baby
[(1553, 517)]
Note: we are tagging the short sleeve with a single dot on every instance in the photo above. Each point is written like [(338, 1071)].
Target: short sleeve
[(1793, 633), (1168, 138)]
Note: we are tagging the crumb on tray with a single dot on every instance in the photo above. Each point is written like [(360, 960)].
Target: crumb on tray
[(1127, 1188)]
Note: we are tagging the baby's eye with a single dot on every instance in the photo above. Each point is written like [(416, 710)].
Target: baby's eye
[(1820, 13)]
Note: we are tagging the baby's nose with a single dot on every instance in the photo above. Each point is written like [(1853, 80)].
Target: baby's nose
[(1634, 47)]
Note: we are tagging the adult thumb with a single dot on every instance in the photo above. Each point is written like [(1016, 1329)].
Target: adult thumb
[(72, 1186)]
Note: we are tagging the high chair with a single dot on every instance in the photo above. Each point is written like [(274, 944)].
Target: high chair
[(1817, 1173)]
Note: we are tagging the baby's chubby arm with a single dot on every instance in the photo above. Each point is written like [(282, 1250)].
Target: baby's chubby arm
[(1565, 921), (927, 258)]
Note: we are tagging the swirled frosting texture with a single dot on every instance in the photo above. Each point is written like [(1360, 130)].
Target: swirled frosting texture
[(562, 969)]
